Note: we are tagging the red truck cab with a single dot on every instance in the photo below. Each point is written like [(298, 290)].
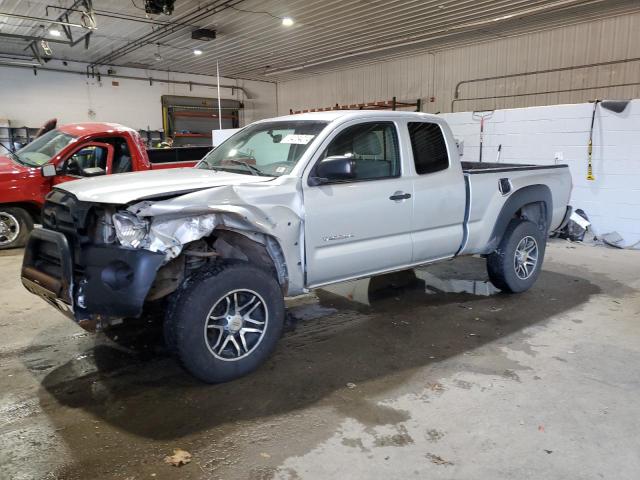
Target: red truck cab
[(72, 152)]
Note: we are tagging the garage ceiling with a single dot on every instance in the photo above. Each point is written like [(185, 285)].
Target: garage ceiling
[(252, 42)]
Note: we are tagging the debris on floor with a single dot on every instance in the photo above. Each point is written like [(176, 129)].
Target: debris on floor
[(438, 460), (579, 229), (180, 457), (615, 240), (436, 387), (577, 226)]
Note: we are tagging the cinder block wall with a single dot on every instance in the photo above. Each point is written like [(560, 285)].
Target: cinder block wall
[(559, 134)]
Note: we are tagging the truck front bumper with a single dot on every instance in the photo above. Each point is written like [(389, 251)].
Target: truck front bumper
[(93, 285)]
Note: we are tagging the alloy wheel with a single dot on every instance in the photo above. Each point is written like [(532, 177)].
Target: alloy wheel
[(526, 257), (236, 325)]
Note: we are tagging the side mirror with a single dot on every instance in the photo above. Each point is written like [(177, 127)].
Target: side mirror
[(335, 168), (48, 170)]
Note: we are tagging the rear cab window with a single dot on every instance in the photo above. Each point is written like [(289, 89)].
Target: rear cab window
[(429, 147)]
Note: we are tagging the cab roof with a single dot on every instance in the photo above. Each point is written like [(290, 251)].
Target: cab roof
[(91, 128)]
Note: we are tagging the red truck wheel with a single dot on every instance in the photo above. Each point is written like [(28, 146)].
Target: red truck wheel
[(15, 225)]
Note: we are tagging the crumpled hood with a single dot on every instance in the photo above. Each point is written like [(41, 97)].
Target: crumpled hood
[(126, 187)]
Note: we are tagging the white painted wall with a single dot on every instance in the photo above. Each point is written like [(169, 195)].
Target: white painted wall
[(537, 134), (27, 99)]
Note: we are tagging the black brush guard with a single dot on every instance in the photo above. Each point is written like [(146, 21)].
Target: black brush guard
[(92, 284)]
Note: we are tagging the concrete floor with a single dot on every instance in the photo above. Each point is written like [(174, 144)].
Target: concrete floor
[(382, 379)]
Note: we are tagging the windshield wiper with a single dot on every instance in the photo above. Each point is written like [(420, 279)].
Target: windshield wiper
[(14, 156), (251, 168)]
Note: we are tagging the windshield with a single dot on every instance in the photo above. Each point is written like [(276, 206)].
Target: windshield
[(43, 148), (270, 148)]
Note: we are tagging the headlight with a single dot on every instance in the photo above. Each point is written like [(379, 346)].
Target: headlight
[(130, 230)]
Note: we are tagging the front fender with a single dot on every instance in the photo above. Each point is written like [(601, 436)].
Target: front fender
[(268, 213)]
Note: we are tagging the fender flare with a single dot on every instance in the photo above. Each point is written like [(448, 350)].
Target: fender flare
[(532, 194)]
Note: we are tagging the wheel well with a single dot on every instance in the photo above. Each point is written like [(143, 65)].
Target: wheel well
[(257, 248), (533, 202), (31, 208), (535, 212)]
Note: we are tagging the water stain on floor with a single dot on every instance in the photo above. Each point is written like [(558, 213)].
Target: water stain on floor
[(374, 334)]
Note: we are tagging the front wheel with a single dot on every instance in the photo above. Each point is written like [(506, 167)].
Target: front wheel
[(15, 225), (515, 265), (226, 321)]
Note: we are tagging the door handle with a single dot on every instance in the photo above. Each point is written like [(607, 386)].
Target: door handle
[(397, 196)]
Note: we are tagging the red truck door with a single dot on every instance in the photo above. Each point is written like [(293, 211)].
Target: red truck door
[(89, 160)]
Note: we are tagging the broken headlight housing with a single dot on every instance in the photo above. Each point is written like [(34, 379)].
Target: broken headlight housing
[(130, 230)]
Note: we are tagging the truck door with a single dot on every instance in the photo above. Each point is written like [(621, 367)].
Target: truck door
[(439, 194), (89, 160), (362, 225)]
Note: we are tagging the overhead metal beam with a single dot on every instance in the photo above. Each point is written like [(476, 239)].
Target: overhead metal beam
[(165, 30), (43, 20), (63, 20), (35, 38)]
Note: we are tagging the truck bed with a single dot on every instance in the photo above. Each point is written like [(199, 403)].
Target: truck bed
[(177, 154), (491, 185)]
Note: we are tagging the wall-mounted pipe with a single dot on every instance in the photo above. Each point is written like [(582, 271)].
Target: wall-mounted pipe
[(125, 77), (567, 90), (456, 94)]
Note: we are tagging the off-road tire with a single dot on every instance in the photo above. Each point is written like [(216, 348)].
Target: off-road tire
[(189, 310), (25, 224), (501, 264)]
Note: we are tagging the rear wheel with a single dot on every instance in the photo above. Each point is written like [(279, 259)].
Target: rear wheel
[(15, 225), (515, 265), (226, 321)]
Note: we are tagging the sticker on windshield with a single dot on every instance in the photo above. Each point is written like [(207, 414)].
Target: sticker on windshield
[(297, 139)]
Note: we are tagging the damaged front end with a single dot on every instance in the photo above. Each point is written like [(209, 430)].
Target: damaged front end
[(108, 262), (75, 263)]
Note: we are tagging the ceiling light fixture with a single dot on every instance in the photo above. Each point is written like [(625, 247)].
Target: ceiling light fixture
[(197, 51), (287, 21), (46, 48), (54, 32)]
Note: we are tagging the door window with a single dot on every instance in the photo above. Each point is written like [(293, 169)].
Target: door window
[(88, 161), (429, 148), (373, 146)]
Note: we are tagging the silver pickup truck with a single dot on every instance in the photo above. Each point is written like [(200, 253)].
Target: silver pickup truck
[(283, 206)]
